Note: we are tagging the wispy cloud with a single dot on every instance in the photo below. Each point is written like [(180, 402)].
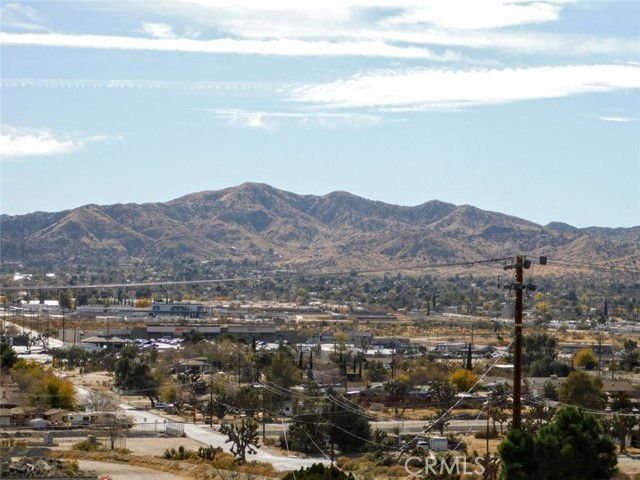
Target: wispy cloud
[(617, 119), (158, 30), (132, 84), (17, 143), (428, 89), (406, 29), (21, 16), (271, 120), (282, 47)]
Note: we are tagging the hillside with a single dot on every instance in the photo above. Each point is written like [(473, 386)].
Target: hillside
[(261, 223)]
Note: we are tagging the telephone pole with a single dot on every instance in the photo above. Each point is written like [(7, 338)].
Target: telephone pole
[(520, 264)]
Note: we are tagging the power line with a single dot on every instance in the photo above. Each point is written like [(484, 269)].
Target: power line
[(254, 278)]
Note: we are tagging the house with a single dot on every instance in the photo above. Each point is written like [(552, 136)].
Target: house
[(6, 418), (55, 415), (536, 385), (619, 388), (193, 366)]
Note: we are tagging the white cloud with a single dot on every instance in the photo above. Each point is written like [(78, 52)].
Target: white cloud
[(406, 29), (20, 16), (270, 47), (271, 120), (617, 119), (473, 15), (428, 89), (18, 142), (158, 30)]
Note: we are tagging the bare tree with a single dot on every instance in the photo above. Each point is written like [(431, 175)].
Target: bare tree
[(109, 417), (96, 402)]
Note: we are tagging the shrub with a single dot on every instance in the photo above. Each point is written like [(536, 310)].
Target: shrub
[(493, 433)]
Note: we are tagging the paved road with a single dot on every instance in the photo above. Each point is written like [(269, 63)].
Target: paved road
[(208, 436)]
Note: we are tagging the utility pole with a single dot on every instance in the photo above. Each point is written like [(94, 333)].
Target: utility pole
[(332, 430), (264, 420), (520, 264)]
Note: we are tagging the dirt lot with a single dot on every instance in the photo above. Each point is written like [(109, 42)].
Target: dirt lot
[(141, 446)]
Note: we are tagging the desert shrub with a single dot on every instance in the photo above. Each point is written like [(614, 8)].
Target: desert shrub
[(396, 471), (208, 453), (70, 467), (493, 433), (180, 454), (87, 446)]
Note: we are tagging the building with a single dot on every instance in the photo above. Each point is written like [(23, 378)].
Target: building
[(182, 310)]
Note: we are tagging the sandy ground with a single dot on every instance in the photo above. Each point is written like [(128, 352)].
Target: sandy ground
[(118, 471), (154, 447)]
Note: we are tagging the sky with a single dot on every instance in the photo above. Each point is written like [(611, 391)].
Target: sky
[(528, 108)]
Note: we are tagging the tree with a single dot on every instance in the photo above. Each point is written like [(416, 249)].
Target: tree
[(8, 356), (282, 370), (586, 358), (112, 419), (131, 373), (571, 447), (41, 388), (375, 371), (620, 425), (583, 390), (440, 421), (351, 430), (518, 457), (192, 336), (463, 380), (243, 437), (396, 389), (306, 431), (443, 391), (380, 445), (94, 401), (64, 300)]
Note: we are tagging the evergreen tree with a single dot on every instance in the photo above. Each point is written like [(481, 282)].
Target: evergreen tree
[(570, 447)]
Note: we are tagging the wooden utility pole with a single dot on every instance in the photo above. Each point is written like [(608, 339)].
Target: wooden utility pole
[(520, 264)]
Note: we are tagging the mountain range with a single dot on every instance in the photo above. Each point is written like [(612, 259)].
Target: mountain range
[(336, 231)]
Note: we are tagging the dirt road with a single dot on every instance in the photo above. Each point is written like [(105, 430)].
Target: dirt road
[(118, 471)]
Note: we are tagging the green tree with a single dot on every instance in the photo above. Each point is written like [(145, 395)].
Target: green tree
[(243, 438), (283, 371), (192, 336), (375, 371), (396, 389), (8, 356), (132, 373), (64, 300), (620, 426), (351, 430), (582, 390), (380, 446), (518, 457), (570, 447)]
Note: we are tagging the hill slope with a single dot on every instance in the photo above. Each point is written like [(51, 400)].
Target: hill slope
[(261, 223)]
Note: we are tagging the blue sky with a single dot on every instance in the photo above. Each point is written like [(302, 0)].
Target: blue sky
[(526, 108)]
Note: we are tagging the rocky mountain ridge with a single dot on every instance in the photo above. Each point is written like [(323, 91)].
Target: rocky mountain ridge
[(264, 224)]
